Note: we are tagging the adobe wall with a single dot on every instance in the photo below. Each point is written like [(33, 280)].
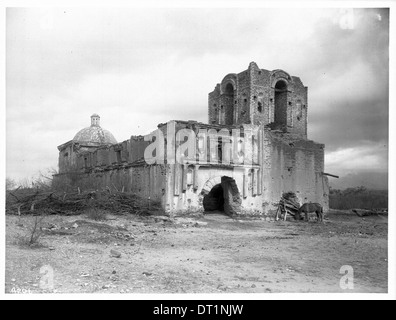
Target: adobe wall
[(144, 181), (261, 94), (186, 194), (296, 166), (69, 154), (67, 159), (85, 159)]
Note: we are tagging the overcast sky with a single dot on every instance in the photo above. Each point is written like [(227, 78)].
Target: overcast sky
[(137, 68)]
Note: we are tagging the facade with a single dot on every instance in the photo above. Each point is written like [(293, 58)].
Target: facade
[(253, 149)]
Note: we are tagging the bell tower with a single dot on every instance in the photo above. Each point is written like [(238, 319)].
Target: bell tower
[(260, 97)]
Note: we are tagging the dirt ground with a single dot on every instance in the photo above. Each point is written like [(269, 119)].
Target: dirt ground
[(209, 254)]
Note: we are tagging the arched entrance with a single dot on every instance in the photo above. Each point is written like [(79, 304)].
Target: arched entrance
[(221, 195), (281, 103), (214, 200)]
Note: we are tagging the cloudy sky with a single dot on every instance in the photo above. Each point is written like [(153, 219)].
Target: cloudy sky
[(137, 68)]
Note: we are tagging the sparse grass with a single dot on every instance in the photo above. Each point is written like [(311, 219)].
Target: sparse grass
[(34, 233)]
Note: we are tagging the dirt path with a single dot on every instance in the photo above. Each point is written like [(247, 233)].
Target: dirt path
[(214, 254)]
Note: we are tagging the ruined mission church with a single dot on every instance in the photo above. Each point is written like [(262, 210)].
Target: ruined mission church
[(268, 110)]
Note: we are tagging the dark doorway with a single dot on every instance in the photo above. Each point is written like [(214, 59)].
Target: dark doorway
[(223, 197), (281, 103), (214, 200)]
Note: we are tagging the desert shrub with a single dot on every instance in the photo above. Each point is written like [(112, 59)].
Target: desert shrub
[(33, 234), (10, 184), (359, 197)]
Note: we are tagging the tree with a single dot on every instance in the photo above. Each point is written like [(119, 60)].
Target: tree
[(10, 184)]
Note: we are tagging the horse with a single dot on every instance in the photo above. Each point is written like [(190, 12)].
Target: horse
[(308, 208)]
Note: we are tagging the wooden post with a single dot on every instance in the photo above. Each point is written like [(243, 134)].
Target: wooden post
[(277, 217), (284, 207)]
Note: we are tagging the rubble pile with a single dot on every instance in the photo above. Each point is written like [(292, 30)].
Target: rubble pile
[(30, 201), (288, 204)]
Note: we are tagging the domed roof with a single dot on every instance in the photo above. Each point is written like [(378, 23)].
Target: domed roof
[(95, 134)]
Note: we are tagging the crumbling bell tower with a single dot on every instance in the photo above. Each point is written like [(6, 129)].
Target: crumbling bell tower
[(261, 97), (276, 105)]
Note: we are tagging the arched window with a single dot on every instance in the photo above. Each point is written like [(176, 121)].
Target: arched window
[(281, 102), (190, 177), (201, 144), (259, 107), (221, 115), (299, 110), (250, 182), (240, 148), (228, 102)]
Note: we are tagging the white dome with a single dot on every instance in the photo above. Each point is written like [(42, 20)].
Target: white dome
[(95, 134)]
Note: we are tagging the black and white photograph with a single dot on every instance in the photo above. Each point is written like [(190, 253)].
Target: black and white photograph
[(223, 150)]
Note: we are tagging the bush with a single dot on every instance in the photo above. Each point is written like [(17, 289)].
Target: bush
[(358, 198), (34, 233), (10, 184)]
